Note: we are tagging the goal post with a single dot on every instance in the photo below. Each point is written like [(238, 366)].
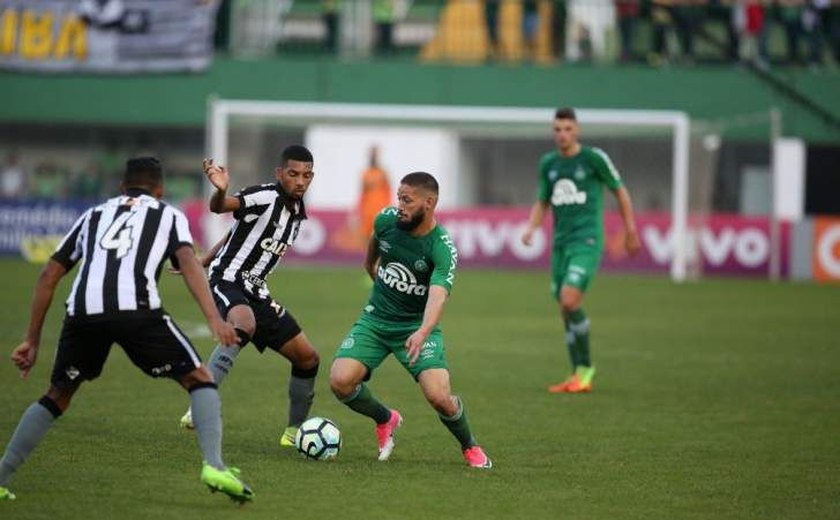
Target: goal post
[(220, 113)]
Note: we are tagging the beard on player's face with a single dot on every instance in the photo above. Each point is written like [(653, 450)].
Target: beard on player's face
[(411, 223)]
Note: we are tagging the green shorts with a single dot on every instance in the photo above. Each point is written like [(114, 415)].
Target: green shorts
[(370, 341), (574, 265)]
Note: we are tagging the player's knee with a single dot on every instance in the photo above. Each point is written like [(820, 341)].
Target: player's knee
[(57, 400), (342, 384), (242, 318), (569, 304), (308, 361), (244, 336), (199, 376), (443, 403)]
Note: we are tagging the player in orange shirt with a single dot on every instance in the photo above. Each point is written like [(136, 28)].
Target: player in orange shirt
[(375, 195)]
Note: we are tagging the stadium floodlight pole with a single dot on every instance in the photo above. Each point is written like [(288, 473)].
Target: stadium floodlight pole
[(307, 113)]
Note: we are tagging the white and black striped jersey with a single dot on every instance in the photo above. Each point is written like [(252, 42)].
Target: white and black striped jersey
[(122, 245), (267, 223)]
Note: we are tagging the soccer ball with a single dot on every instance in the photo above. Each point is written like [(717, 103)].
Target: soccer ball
[(318, 438)]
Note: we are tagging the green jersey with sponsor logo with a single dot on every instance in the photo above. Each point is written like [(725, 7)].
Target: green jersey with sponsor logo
[(573, 186), (408, 266)]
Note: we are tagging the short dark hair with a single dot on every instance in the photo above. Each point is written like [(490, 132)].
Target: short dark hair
[(144, 172), (565, 113), (295, 152), (421, 180)]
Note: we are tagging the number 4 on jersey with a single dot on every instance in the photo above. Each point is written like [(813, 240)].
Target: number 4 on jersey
[(120, 235)]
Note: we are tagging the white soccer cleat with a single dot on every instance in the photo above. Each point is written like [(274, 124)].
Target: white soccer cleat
[(186, 421)]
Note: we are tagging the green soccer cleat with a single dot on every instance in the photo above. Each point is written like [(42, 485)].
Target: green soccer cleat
[(287, 440), (186, 421), (227, 481), (5, 494), (586, 375)]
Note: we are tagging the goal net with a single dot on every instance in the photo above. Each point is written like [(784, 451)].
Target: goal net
[(481, 155)]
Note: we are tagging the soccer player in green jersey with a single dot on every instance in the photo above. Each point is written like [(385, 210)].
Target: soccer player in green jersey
[(571, 182), (412, 261)]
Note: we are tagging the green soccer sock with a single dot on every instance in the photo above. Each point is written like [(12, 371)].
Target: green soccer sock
[(363, 402), (570, 344), (458, 425), (579, 325)]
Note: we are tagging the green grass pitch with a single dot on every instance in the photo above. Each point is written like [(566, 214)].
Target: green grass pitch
[(718, 399)]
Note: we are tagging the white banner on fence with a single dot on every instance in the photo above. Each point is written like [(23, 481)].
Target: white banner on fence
[(110, 36)]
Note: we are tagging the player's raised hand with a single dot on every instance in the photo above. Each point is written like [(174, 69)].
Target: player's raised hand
[(24, 357), (632, 243), (413, 346), (223, 332), (217, 174)]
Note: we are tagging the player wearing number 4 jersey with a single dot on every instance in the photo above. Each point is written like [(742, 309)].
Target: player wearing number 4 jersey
[(120, 246), (570, 183), (267, 220), (412, 261)]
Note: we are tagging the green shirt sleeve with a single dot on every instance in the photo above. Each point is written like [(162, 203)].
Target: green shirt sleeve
[(544, 186), (445, 258), (605, 170)]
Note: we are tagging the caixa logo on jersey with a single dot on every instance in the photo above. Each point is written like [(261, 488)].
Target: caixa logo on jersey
[(274, 246), (399, 277)]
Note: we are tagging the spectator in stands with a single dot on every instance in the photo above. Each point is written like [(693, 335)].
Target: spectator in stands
[(790, 15), (833, 20), (814, 18), (662, 21), (87, 183), (491, 14), (687, 16), (748, 19), (558, 27), (627, 12), (589, 21), (383, 17), (48, 182), (530, 26), (329, 15), (13, 178)]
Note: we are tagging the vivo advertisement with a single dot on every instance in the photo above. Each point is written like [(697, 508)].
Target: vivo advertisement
[(485, 237), (727, 244)]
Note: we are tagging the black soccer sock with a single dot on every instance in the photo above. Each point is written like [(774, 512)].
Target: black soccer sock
[(459, 427), (363, 402), (574, 358), (579, 325)]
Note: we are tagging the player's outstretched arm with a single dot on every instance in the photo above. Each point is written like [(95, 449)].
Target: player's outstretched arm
[(625, 206), (211, 253), (534, 221), (26, 353), (431, 317), (197, 284), (219, 177)]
